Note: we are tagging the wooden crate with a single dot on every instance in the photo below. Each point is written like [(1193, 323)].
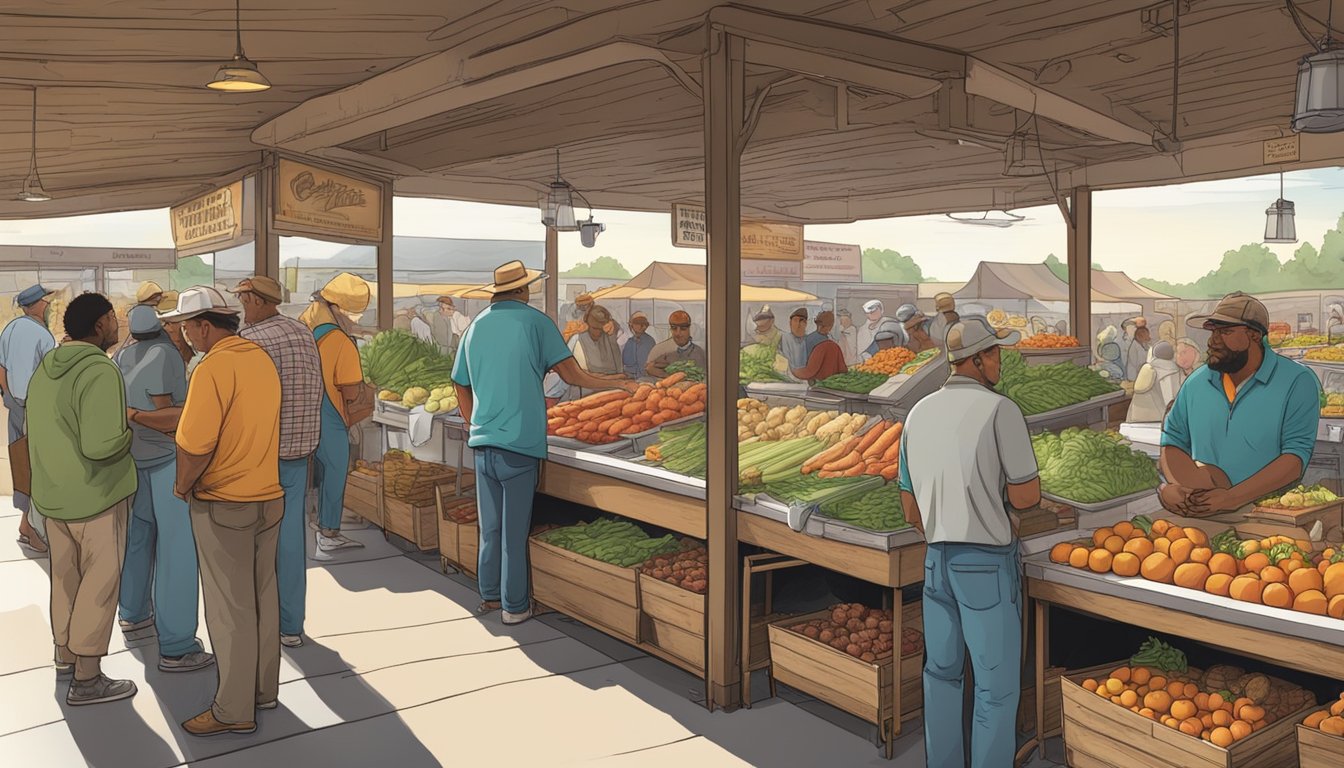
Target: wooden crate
[(601, 595), (673, 620), (418, 525), (1317, 749), (458, 542), (364, 497), (1101, 734)]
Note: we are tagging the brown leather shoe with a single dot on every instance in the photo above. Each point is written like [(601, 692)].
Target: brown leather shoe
[(205, 724)]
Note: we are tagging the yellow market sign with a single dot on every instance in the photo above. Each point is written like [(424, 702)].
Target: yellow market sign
[(313, 200), (217, 215), (761, 240)]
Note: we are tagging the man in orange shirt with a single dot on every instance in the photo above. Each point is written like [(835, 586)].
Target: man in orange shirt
[(228, 470)]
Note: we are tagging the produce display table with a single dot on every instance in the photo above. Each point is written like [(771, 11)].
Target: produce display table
[(621, 487), (1281, 637), (1089, 413)]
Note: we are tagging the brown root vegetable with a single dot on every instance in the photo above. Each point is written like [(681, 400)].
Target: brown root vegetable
[(811, 632), (839, 616), (871, 622), (869, 657), (826, 636), (854, 625), (853, 650)]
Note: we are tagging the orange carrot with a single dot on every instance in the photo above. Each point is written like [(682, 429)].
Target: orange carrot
[(871, 436), (673, 379), (851, 459), (888, 438), (854, 471), (891, 471), (621, 425), (829, 455), (893, 452)]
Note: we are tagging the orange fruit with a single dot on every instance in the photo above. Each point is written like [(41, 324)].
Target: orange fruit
[(1256, 561), (1161, 544), (1334, 580), (1121, 673), (1078, 557), (1221, 737), (1191, 575), (1126, 564), (1113, 544), (1090, 685), (1222, 562), (1148, 713), (1137, 533), (1176, 689), (1201, 555), (1158, 701), (1114, 687), (1335, 607), (1140, 676), (1323, 566), (1183, 709), (1158, 567), (1222, 718), (1311, 601), (1207, 720), (1314, 719), (1099, 561), (1292, 564), (1060, 552), (1215, 701), (1140, 548), (1247, 589), (1176, 533), (1192, 727), (1201, 701), (1240, 729), (1191, 690), (1273, 573), (1123, 529), (1306, 580), (1100, 535), (1160, 527), (1129, 699), (1157, 683), (1277, 595), (1200, 538), (1180, 550), (1218, 584)]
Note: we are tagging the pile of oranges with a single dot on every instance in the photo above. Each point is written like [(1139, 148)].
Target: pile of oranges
[(888, 361), (1049, 341), (1183, 557), (1328, 720), (1181, 705)]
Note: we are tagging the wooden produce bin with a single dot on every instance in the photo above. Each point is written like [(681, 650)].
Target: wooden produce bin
[(1102, 734), (673, 620), (863, 689), (415, 523), (600, 595), (1317, 749), (459, 543), (364, 496)]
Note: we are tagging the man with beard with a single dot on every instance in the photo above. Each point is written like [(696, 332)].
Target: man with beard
[(1244, 425)]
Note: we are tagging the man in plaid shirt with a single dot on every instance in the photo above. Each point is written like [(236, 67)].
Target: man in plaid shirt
[(290, 345)]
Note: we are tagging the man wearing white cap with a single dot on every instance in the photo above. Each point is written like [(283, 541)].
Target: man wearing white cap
[(876, 314), (497, 374), (766, 332), (965, 458), (228, 471), (23, 344)]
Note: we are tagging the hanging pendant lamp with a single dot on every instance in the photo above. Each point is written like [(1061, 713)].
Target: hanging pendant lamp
[(32, 183), (240, 75), (557, 209), (1279, 222), (1319, 107)]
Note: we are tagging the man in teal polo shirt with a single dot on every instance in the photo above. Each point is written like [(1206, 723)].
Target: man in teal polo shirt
[(501, 361), (1244, 425)]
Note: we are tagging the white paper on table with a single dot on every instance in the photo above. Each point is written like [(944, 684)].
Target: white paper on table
[(420, 425)]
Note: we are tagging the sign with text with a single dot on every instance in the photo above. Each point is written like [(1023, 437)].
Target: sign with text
[(314, 200), (216, 215), (758, 268), (1285, 150), (832, 262), (761, 240), (109, 258)]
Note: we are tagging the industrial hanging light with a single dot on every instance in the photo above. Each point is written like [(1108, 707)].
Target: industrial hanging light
[(32, 191), (1319, 107), (1279, 224), (241, 74), (557, 209), (1020, 158)]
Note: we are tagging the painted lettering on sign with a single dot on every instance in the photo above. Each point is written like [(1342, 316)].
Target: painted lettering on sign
[(314, 200), (832, 262), (1285, 150), (213, 216), (761, 240)]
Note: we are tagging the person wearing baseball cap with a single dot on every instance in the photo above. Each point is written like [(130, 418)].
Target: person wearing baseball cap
[(677, 347), (448, 325), (1243, 426), (149, 293), (174, 329), (291, 347), (228, 471), (826, 358), (766, 332), (636, 350), (23, 344), (965, 462)]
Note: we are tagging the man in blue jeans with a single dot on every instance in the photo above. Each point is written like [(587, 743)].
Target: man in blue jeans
[(965, 459), (160, 550), (290, 346), (501, 361)]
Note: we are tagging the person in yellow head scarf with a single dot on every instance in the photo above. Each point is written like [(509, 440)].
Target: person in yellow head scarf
[(333, 317)]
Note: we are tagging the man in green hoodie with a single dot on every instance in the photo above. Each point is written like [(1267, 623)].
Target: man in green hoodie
[(83, 478)]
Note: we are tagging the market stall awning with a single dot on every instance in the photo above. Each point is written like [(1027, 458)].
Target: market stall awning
[(1121, 286), (1000, 281), (686, 282)]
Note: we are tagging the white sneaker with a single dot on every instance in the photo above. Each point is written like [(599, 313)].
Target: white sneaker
[(517, 618), (336, 543)]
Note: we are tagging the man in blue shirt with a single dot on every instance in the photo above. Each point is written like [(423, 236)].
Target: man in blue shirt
[(23, 344), (635, 352), (501, 361), (1243, 426)]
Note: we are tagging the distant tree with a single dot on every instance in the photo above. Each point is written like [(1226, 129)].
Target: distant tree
[(602, 266), (883, 265), (190, 271), (1061, 269)]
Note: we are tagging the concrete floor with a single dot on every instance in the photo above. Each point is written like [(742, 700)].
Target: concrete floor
[(399, 672)]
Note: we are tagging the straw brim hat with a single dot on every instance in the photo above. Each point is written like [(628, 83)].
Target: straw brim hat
[(511, 277)]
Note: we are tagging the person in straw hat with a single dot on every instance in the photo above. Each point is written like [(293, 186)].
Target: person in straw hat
[(505, 353), (333, 318), (1243, 426), (965, 459)]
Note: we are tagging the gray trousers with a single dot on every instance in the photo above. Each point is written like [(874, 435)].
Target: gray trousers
[(21, 501)]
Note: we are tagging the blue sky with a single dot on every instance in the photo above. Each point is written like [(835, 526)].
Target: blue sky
[(1174, 233)]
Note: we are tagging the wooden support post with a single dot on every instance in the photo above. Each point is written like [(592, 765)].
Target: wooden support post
[(724, 114), (552, 270), (266, 245), (1079, 222), (384, 265)]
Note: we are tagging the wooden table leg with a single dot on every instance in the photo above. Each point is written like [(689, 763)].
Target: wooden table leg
[(897, 631), (1042, 648), (746, 633)]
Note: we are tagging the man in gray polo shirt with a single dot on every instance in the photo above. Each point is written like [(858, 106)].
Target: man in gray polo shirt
[(965, 458)]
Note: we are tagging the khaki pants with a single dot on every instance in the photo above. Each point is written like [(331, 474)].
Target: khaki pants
[(236, 544), (86, 558)]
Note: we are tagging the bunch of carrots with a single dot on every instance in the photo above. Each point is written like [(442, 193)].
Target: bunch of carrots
[(601, 418), (875, 452)]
